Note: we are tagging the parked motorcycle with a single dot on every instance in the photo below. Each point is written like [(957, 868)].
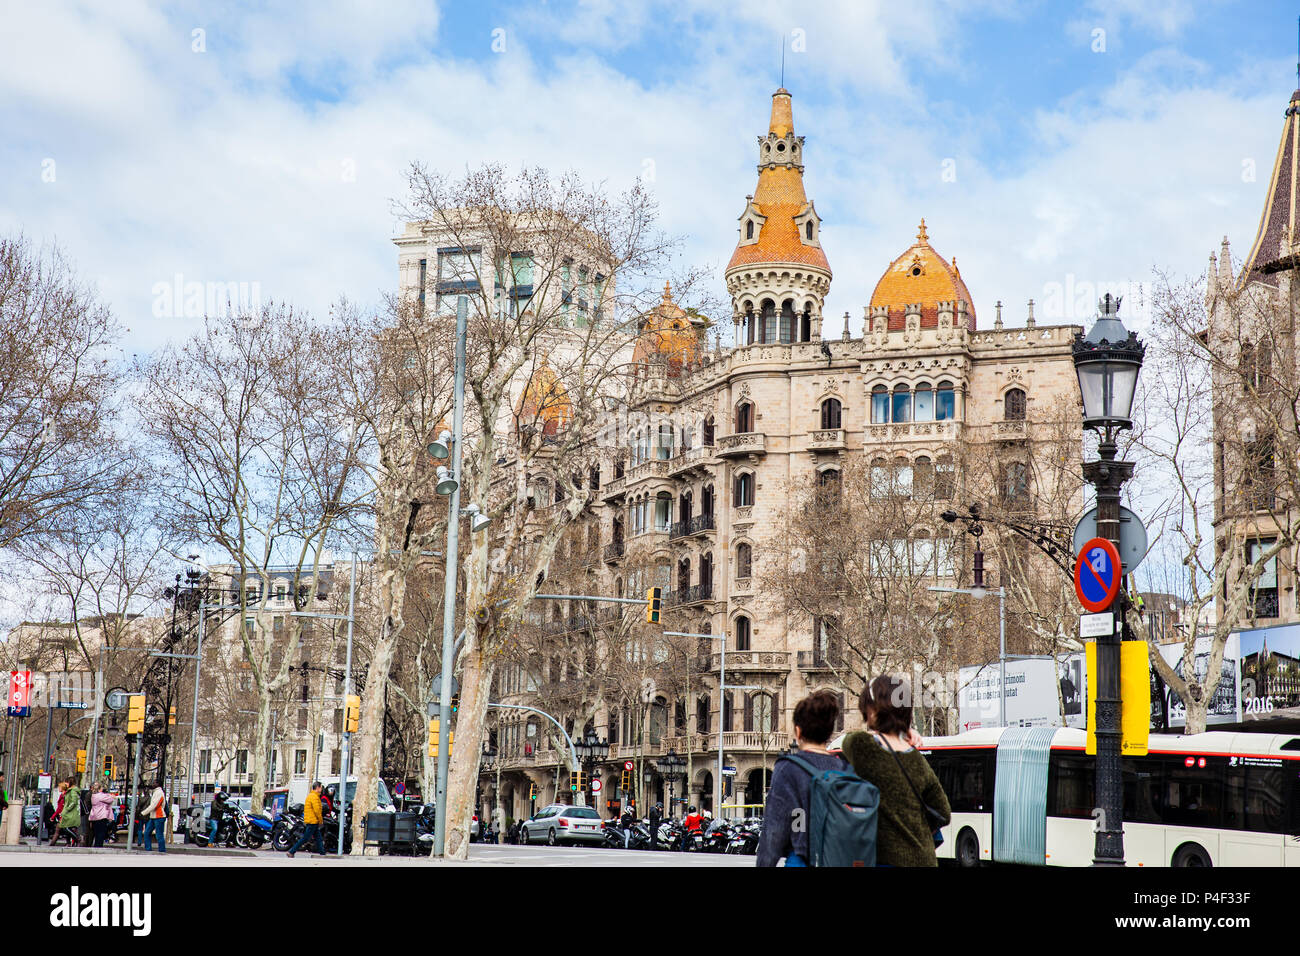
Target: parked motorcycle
[(745, 837), (631, 837), (717, 836), (282, 832)]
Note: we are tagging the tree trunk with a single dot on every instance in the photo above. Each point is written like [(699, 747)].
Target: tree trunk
[(370, 732), (262, 744), (476, 680)]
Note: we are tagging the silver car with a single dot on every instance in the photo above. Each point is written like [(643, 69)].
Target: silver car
[(563, 823)]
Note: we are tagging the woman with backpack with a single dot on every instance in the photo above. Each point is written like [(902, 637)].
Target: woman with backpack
[(913, 805), (785, 817)]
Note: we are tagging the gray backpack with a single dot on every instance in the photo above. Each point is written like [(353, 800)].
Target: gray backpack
[(842, 820)]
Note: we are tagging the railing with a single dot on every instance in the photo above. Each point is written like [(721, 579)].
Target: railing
[(690, 458), (704, 747), (819, 661), (614, 550), (614, 487), (689, 595), (1013, 428), (1266, 603), (744, 443), (654, 468), (697, 524), (873, 434), (827, 440), (753, 661)]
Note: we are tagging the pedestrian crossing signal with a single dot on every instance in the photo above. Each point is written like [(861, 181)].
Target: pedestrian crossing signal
[(654, 599), (433, 736)]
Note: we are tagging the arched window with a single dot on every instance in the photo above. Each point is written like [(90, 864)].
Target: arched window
[(760, 713), (945, 478), (706, 501), (1013, 405), (708, 431), (742, 633), (749, 323), (879, 405), (945, 403), (706, 576), (787, 321), (744, 560), (749, 229), (805, 323), (663, 511), (703, 709), (744, 417), (658, 720), (767, 327), (901, 410), (665, 450), (683, 574), (1015, 483), (923, 478), (902, 475), (879, 478), (828, 488), (923, 403), (808, 230), (744, 490), (831, 413)]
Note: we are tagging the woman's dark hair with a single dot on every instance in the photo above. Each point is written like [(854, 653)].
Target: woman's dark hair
[(815, 716), (886, 704)]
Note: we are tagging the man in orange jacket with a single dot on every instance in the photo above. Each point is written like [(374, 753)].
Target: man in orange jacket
[(311, 818)]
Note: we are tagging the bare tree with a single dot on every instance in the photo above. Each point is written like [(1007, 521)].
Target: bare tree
[(258, 455), (59, 454)]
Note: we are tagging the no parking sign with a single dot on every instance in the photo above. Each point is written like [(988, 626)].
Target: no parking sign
[(1097, 574)]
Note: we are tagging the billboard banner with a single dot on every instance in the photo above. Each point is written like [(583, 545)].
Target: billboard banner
[(1225, 706), (1270, 672), (1033, 690)]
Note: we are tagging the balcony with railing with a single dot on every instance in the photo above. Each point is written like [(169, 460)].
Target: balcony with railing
[(742, 443), (832, 439), (706, 745), (694, 594), (689, 460), (613, 488), (697, 524), (654, 468), (831, 660), (776, 662), (903, 431), (615, 550)]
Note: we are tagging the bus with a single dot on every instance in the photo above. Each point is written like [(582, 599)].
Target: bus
[(1025, 795)]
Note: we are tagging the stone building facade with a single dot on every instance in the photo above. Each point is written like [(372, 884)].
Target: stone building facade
[(717, 438)]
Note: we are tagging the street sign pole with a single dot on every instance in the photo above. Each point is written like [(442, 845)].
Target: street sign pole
[(135, 794), (45, 764)]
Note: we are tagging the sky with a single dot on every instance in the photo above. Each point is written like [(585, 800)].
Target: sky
[(1051, 147)]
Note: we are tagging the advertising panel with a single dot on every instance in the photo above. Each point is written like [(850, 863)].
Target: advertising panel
[(1270, 672), (1032, 694)]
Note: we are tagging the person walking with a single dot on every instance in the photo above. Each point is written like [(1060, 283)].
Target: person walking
[(4, 801), (70, 816), (101, 812), (656, 818), (311, 818), (789, 793), (57, 813), (913, 805), (155, 819)]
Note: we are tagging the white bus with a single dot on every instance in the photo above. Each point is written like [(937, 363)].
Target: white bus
[(1025, 795)]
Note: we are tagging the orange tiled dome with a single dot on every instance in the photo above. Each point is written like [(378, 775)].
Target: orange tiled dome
[(668, 332), (545, 402), (921, 275), (780, 199)]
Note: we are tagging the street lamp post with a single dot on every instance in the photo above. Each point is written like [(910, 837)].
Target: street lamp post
[(1107, 361), (670, 767), (591, 749)]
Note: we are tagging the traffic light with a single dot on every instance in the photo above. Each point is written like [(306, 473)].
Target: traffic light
[(654, 599), (532, 792), (575, 781), (626, 783), (81, 761), (171, 716), (351, 714), (135, 714), (433, 736), (108, 766), (455, 702)]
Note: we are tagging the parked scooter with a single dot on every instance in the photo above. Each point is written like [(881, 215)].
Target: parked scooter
[(632, 836), (744, 839)]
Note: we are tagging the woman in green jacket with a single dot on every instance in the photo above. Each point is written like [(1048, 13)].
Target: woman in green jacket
[(70, 819), (885, 754)]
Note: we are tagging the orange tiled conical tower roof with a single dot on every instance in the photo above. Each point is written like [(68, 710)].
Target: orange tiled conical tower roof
[(779, 210)]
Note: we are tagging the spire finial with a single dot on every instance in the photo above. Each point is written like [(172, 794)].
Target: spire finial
[(668, 292), (921, 234), (783, 62)]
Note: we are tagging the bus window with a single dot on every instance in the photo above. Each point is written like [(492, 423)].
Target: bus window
[(1265, 799), (1142, 786), (1069, 785), (967, 792), (1193, 796)]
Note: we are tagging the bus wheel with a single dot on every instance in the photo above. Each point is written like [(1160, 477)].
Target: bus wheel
[(968, 848), (1191, 854)]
